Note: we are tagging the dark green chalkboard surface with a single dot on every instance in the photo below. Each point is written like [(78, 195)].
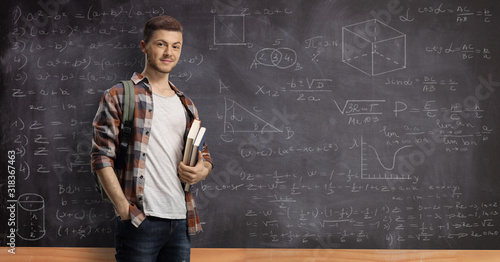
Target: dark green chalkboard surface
[(332, 124)]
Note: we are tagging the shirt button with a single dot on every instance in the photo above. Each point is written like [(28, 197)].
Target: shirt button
[(147, 133), (141, 177)]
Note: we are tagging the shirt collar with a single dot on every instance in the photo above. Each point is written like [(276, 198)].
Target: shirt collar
[(137, 78)]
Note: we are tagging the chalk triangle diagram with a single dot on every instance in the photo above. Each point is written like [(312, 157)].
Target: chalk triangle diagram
[(238, 119)]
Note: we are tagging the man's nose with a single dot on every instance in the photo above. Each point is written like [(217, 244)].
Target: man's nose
[(168, 51)]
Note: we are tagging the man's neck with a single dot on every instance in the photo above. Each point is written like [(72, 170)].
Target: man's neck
[(159, 82)]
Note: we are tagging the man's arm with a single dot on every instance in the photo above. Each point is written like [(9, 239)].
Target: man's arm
[(114, 191)]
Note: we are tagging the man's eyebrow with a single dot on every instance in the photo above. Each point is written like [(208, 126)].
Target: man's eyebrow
[(161, 40)]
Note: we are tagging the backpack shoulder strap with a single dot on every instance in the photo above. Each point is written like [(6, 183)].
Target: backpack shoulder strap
[(127, 120), (129, 101)]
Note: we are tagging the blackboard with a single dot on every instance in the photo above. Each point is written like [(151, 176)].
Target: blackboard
[(332, 124)]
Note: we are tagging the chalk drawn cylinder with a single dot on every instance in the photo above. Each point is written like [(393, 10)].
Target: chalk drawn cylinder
[(30, 217)]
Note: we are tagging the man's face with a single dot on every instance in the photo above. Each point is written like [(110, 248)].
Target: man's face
[(163, 50)]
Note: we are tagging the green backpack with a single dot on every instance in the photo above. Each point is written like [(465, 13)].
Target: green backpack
[(126, 134)]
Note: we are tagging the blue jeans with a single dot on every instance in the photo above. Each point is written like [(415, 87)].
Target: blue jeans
[(156, 239)]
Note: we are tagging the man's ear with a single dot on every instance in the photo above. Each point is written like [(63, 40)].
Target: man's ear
[(143, 46)]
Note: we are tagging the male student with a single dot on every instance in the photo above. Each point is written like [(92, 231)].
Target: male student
[(156, 215)]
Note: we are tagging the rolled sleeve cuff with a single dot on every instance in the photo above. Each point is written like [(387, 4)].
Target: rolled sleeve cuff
[(136, 215), (100, 162)]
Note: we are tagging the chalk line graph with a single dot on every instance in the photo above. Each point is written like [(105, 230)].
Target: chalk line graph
[(374, 168)]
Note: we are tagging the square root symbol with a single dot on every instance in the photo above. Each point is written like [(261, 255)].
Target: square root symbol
[(373, 47)]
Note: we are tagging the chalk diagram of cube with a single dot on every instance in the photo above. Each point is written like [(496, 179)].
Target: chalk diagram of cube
[(373, 47), (229, 30)]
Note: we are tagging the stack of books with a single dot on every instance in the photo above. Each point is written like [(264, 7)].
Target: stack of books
[(194, 143)]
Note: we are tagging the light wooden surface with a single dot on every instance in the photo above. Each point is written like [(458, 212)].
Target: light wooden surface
[(55, 254)]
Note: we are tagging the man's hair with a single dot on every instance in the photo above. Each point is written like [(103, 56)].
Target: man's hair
[(163, 22)]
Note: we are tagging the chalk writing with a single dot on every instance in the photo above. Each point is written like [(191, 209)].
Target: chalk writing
[(330, 125)]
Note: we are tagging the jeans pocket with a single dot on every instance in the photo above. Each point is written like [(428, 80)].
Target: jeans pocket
[(124, 222)]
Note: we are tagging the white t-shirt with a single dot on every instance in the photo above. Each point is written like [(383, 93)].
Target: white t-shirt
[(163, 193)]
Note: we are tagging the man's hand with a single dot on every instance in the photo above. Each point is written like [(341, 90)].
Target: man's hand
[(194, 174), (114, 191)]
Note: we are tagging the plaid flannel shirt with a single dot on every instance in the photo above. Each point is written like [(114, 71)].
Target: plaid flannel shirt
[(106, 142)]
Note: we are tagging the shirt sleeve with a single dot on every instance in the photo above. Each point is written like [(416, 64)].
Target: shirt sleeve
[(206, 154), (106, 126)]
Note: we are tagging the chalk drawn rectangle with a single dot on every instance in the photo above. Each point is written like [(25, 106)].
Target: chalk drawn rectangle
[(229, 30)]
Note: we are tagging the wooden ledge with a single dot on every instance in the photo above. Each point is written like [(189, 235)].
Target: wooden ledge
[(59, 254)]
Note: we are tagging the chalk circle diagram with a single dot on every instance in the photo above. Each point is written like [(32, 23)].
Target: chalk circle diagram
[(30, 217), (281, 58), (238, 119)]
